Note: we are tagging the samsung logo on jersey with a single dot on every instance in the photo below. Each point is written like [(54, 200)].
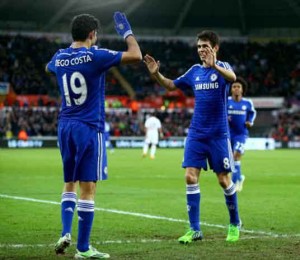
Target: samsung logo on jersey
[(201, 86), (236, 112), (73, 61)]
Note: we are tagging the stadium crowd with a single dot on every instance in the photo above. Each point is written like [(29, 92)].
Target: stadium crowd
[(42, 121), (286, 125), (22, 63)]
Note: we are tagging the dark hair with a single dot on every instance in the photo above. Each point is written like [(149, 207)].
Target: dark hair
[(243, 82), (210, 36), (82, 25)]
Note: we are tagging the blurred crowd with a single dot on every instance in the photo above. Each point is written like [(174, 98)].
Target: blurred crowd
[(286, 125), (29, 121), (42, 121), (272, 69)]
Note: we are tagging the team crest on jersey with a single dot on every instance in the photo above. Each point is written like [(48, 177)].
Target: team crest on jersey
[(213, 77), (244, 107)]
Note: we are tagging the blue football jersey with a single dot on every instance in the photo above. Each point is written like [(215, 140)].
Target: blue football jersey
[(239, 112), (210, 90), (80, 74)]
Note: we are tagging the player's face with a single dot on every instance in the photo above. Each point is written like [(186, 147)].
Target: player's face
[(202, 49), (237, 89)]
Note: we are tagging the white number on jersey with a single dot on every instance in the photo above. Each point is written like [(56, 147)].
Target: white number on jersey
[(226, 163), (81, 89)]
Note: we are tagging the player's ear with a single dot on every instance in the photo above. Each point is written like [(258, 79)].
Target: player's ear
[(92, 35), (216, 48)]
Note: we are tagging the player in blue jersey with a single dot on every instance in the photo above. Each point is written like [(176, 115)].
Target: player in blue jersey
[(80, 73), (208, 135), (241, 116)]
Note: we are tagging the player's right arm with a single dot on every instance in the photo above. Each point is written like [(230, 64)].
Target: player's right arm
[(50, 67), (153, 67), (123, 28)]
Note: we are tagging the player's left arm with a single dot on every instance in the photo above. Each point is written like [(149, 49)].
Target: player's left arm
[(123, 28), (251, 115)]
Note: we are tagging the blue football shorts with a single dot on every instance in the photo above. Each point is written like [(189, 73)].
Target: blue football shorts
[(83, 152), (217, 152), (238, 143)]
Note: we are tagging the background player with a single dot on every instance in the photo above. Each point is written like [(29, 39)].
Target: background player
[(241, 116), (153, 130), (208, 135), (108, 142), (80, 72)]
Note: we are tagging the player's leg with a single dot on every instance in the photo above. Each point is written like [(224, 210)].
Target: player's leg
[(68, 200), (194, 160), (235, 172), (239, 178), (152, 151), (239, 149), (92, 167), (221, 161), (193, 205), (68, 203), (154, 142), (85, 209), (232, 206), (146, 147)]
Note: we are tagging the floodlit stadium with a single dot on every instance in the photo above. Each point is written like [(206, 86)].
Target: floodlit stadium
[(140, 211)]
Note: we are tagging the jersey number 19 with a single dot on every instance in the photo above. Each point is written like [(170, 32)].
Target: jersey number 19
[(80, 90)]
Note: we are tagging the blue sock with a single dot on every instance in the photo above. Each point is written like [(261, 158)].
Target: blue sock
[(193, 205), (232, 204), (236, 174), (85, 210), (68, 203)]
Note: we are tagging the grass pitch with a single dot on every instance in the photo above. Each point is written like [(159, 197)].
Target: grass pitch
[(141, 209)]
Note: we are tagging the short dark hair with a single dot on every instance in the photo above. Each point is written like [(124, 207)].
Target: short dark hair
[(243, 82), (82, 25), (210, 36)]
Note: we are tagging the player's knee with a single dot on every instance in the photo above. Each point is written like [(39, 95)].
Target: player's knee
[(191, 178), (224, 180)]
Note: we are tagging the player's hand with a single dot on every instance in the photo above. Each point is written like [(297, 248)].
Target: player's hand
[(210, 58), (248, 124), (152, 64), (122, 25)]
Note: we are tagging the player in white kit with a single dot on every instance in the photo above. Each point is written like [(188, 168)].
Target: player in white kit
[(153, 131)]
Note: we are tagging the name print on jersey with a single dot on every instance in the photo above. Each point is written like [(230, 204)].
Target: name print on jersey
[(73, 61)]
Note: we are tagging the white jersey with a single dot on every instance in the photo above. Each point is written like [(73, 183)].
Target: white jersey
[(152, 126)]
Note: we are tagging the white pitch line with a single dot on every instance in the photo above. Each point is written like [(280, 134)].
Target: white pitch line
[(264, 233), (142, 241)]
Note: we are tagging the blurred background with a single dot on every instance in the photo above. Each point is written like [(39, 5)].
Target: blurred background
[(260, 39)]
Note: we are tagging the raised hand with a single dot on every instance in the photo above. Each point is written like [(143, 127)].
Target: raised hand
[(152, 64), (122, 25), (211, 58)]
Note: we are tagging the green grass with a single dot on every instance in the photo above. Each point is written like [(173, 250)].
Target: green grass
[(269, 207)]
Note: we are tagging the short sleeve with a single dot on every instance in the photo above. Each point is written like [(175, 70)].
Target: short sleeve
[(106, 58), (51, 65), (183, 81), (225, 65)]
